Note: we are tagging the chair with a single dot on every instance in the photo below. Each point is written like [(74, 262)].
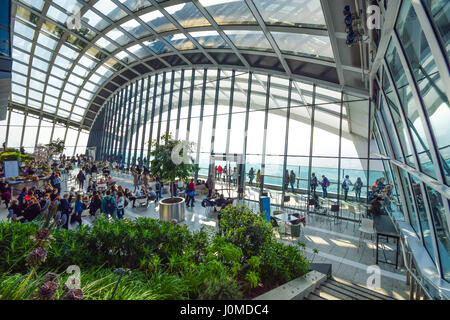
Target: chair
[(352, 211), (366, 228), (275, 225)]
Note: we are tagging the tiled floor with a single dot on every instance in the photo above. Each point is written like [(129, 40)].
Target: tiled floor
[(337, 243)]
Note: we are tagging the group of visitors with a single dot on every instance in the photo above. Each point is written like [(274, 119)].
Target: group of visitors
[(379, 197)]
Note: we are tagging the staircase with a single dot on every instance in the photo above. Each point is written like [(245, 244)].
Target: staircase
[(337, 289)]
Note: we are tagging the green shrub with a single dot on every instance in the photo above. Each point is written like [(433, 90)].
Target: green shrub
[(281, 263), (167, 261), (245, 229)]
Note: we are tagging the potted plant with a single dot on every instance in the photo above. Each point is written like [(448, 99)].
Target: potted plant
[(169, 164)]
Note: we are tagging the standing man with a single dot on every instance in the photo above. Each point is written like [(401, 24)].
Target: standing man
[(251, 175), (292, 180), (313, 183), (286, 180), (346, 186), (325, 183), (210, 185)]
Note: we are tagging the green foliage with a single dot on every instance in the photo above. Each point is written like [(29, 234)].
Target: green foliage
[(245, 229), (167, 261), (56, 146), (15, 155), (281, 263), (251, 280), (163, 165)]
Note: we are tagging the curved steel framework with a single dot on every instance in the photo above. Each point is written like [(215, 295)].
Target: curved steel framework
[(70, 56)]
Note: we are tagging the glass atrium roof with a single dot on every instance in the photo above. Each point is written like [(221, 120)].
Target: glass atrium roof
[(71, 55)]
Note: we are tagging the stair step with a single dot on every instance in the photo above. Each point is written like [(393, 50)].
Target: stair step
[(359, 289), (313, 296), (337, 292), (348, 292), (326, 295)]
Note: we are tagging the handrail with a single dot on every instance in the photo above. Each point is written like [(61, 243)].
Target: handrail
[(410, 272)]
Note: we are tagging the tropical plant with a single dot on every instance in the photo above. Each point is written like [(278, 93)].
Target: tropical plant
[(168, 162), (15, 155), (45, 152), (166, 261)]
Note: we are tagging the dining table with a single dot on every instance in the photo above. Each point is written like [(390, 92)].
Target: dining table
[(284, 217)]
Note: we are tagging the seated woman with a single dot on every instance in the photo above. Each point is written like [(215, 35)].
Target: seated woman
[(223, 203), (110, 181), (33, 210), (376, 207), (14, 210)]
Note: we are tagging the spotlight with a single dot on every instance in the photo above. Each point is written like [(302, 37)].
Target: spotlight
[(348, 20), (347, 10), (350, 38)]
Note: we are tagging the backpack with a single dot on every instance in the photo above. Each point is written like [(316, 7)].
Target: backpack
[(345, 185), (120, 203), (109, 205)]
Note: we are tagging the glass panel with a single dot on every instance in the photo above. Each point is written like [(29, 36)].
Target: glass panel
[(238, 114), (3, 124), (253, 40), (424, 223), (135, 28), (305, 45), (15, 130), (23, 30), (57, 15), (180, 42), (441, 227), (411, 110), (428, 80), (108, 8), (82, 143), (135, 5), (95, 20), (187, 15), (440, 11), (398, 123), (118, 36), (45, 132), (157, 21), (157, 46), (209, 39), (71, 139), (292, 12), (409, 200), (229, 11), (38, 4)]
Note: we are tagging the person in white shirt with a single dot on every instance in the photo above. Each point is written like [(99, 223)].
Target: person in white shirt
[(346, 186), (120, 202)]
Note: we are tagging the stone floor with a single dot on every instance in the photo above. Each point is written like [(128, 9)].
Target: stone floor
[(337, 244)]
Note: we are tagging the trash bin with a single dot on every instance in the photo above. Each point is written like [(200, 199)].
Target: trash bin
[(296, 230)]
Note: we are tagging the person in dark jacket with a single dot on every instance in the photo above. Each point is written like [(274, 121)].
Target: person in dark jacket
[(313, 183), (33, 210), (6, 194), (95, 204), (376, 206), (22, 195), (81, 178), (65, 211), (14, 209)]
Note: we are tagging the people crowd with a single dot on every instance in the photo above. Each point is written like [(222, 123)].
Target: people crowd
[(100, 195)]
